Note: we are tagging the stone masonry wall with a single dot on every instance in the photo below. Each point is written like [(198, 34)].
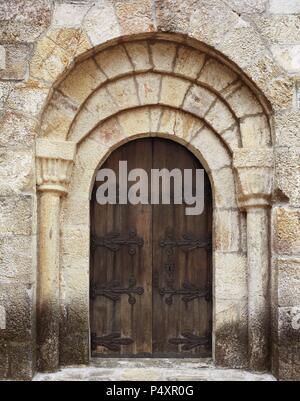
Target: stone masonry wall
[(261, 36)]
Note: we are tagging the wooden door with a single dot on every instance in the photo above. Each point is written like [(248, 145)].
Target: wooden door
[(151, 266)]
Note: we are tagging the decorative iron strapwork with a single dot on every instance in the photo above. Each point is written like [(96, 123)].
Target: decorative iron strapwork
[(114, 290), (187, 243), (190, 341), (115, 241), (188, 291), (112, 341)]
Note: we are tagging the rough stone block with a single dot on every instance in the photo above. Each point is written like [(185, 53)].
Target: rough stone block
[(189, 62), (216, 75), (17, 260), (124, 93), (149, 88), (287, 125), (289, 326), (206, 143), (109, 27), (198, 101), (16, 171), (16, 62), (220, 117), (2, 58), (82, 81), (134, 16), (16, 215), (163, 55), (173, 91), (224, 185), (255, 132), (71, 15), (288, 281), (114, 62), (284, 7), (286, 231), (17, 299), (23, 20), (288, 57), (230, 276), (138, 53), (16, 130), (228, 231), (287, 179)]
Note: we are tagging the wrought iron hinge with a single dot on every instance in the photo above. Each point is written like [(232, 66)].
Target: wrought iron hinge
[(114, 290), (112, 341), (189, 341), (115, 241)]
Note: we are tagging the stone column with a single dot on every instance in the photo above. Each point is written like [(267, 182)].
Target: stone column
[(54, 162), (254, 181)]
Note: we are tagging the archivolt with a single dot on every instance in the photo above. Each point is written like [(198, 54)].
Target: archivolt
[(149, 73)]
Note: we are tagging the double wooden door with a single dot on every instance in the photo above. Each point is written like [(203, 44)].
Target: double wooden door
[(151, 278)]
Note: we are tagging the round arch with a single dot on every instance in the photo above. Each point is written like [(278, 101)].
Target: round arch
[(140, 89)]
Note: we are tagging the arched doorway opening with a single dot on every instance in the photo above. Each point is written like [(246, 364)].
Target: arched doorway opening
[(151, 264)]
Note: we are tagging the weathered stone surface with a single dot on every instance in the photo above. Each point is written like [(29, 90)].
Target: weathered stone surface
[(228, 232), (16, 62), (114, 62), (284, 6), (2, 58), (281, 29), (104, 369), (169, 15), (16, 259), (286, 231), (206, 143), (287, 365), (223, 181), (17, 299), (288, 281), (287, 123), (248, 6), (287, 178), (231, 276), (28, 97), (135, 16), (216, 75), (289, 326), (24, 20), (82, 81), (287, 56), (16, 171), (189, 62), (16, 215), (16, 130), (138, 53), (198, 101), (108, 28), (173, 91), (69, 15), (163, 55), (149, 86), (255, 131)]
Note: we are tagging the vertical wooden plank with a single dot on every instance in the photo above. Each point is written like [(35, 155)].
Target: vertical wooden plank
[(131, 320)]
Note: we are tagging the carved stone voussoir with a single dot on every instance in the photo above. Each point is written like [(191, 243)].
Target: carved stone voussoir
[(54, 162), (254, 172)]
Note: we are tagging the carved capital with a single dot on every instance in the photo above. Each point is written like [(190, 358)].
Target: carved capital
[(54, 160), (254, 172)]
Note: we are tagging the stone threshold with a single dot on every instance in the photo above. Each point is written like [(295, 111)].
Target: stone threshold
[(146, 369)]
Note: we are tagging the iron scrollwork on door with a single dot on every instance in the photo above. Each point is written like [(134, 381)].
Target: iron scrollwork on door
[(188, 242), (189, 341), (114, 290), (115, 241), (112, 341), (188, 291)]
